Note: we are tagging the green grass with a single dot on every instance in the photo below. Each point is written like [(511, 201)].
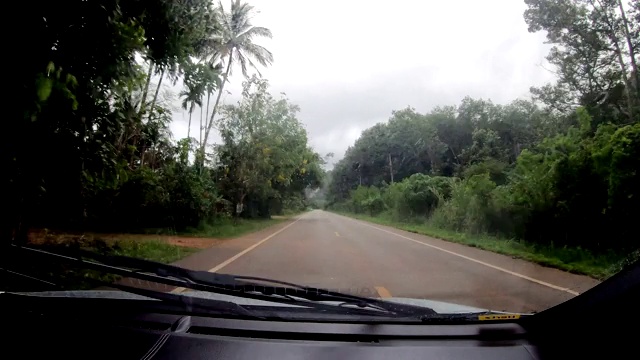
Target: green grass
[(575, 260), (154, 250), (230, 228), (148, 248), (225, 227), (76, 276)]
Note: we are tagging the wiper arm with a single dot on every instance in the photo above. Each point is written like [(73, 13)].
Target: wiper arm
[(236, 285), (186, 303), (316, 294), (252, 284), (191, 304)]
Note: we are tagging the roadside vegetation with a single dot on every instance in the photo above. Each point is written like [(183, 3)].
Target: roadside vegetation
[(572, 259), (553, 179), (90, 149), (231, 229)]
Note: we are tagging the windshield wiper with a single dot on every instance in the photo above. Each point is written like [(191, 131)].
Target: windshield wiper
[(235, 285)]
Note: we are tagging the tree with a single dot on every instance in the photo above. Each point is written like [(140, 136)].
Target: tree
[(81, 154), (235, 44), (192, 97), (595, 51), (177, 29), (198, 78), (264, 154)]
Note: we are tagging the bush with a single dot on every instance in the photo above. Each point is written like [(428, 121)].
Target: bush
[(470, 207), (417, 196), (176, 197)]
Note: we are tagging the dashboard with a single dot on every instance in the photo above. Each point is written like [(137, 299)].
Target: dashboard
[(601, 323), (117, 333)]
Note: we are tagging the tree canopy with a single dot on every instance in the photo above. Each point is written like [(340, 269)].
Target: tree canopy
[(90, 146), (558, 169)]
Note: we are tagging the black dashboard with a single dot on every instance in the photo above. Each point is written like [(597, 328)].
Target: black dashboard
[(118, 333), (602, 323)]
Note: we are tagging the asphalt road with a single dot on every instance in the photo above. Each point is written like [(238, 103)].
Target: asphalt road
[(330, 251)]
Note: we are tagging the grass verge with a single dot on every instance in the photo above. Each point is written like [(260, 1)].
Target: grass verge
[(158, 247), (574, 260), (72, 276), (230, 228), (224, 228), (155, 250)]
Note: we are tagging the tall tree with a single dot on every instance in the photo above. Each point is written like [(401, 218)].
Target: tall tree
[(264, 154), (191, 97), (182, 26), (595, 52), (211, 78), (235, 45)]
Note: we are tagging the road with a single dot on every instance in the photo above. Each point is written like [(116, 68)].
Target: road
[(330, 251)]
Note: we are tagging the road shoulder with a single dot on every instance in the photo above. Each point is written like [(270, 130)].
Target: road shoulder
[(558, 278), (222, 251)]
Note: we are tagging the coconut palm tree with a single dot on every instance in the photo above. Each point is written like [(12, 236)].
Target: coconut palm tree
[(213, 81), (192, 96), (235, 45)]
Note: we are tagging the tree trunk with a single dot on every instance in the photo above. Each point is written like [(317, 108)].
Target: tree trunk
[(200, 131), (146, 90), (200, 152), (618, 50), (215, 105), (454, 154), (626, 80), (189, 128), (155, 96), (634, 65), (144, 150), (632, 82), (390, 168), (206, 113)]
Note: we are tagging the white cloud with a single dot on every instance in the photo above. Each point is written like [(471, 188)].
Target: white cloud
[(349, 63)]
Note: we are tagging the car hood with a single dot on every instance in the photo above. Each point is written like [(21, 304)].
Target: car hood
[(438, 306)]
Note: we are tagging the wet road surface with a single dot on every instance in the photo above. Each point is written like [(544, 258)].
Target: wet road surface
[(330, 251)]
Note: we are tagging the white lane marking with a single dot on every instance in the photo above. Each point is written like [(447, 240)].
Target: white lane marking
[(236, 256), (540, 282)]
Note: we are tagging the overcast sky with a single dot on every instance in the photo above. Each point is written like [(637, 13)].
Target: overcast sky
[(349, 63)]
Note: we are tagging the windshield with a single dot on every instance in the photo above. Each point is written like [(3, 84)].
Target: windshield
[(459, 157)]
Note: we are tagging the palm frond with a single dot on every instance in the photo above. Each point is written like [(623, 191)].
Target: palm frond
[(236, 37), (259, 53), (253, 66), (240, 17), (257, 31), (243, 62), (185, 102)]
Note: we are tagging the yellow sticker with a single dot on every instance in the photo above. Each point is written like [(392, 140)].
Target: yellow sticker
[(499, 317)]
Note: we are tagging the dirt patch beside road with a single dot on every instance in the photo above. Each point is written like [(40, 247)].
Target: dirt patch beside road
[(49, 237), (193, 242)]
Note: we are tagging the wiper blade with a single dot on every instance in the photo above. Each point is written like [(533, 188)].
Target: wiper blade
[(316, 294), (236, 285), (252, 284), (185, 303), (192, 304)]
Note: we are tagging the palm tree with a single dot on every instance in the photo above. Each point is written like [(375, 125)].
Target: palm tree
[(212, 80), (192, 97), (235, 44)]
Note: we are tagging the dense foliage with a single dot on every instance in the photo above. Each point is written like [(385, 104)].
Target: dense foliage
[(560, 169), (88, 142)]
